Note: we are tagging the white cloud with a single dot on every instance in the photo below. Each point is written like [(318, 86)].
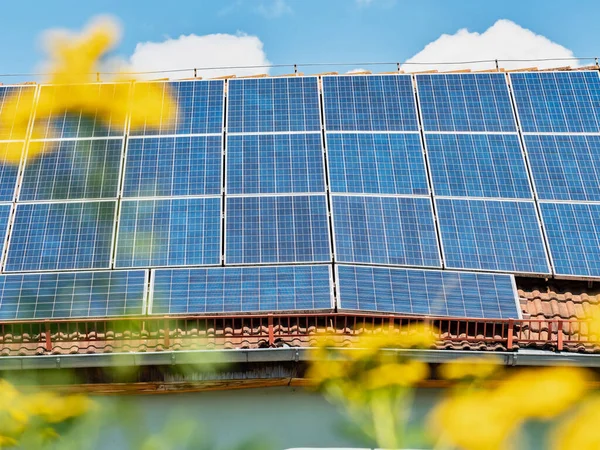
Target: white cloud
[(357, 70), (503, 40), (211, 50)]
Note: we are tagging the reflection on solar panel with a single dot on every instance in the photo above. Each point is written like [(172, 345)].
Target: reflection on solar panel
[(565, 167), (491, 235), (171, 166), (80, 124), (169, 232), (56, 236), (277, 229), (573, 232), (385, 230), (557, 102), (465, 102), (8, 172), (477, 165), (427, 292), (75, 169), (18, 100), (376, 164), (242, 290), (369, 103), (273, 104), (70, 295), (200, 107), (261, 164)]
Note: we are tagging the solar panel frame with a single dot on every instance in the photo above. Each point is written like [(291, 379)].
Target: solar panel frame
[(75, 274), (9, 87), (342, 287), (256, 268)]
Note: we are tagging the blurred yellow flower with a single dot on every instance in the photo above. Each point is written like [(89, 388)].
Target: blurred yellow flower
[(390, 375), (55, 408), (6, 441), (580, 430), (469, 368), (326, 370)]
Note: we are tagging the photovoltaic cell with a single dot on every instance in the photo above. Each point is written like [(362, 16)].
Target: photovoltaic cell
[(242, 290), (385, 230), (365, 163), (8, 171), (199, 107), (281, 229), (172, 166), (57, 236), (491, 235), (275, 163), (71, 295), (565, 167), (477, 165), (427, 292), (465, 102), (15, 101), (169, 232), (74, 169), (369, 103), (573, 232), (79, 124), (273, 104), (557, 102)]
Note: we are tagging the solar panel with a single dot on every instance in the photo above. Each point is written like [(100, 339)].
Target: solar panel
[(74, 169), (71, 295), (275, 163), (376, 163), (280, 229), (385, 230), (427, 292), (557, 102), (242, 290), (8, 171), (53, 121), (18, 100), (565, 167), (491, 235), (200, 107), (465, 102), (477, 165), (369, 103), (573, 232), (169, 232), (273, 104), (172, 166), (61, 236)]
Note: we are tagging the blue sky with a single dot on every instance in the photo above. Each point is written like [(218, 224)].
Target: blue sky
[(300, 31)]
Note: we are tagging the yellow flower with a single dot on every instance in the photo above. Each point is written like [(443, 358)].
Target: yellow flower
[(411, 336), (469, 368), (389, 375), (6, 441), (321, 371), (54, 408), (580, 430)]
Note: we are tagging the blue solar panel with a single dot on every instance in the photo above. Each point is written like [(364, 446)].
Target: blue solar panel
[(71, 295), (267, 164), (273, 104), (169, 232), (427, 292), (18, 99), (200, 107), (242, 290), (465, 102), (78, 124), (565, 167), (491, 235), (277, 230), (81, 169), (172, 166), (558, 102), (376, 164), (477, 165), (573, 232), (370, 103), (57, 236), (385, 230), (8, 172)]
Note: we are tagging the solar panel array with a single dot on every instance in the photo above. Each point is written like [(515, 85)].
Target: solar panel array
[(243, 200)]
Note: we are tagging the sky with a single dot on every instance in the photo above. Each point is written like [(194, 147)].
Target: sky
[(340, 35)]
